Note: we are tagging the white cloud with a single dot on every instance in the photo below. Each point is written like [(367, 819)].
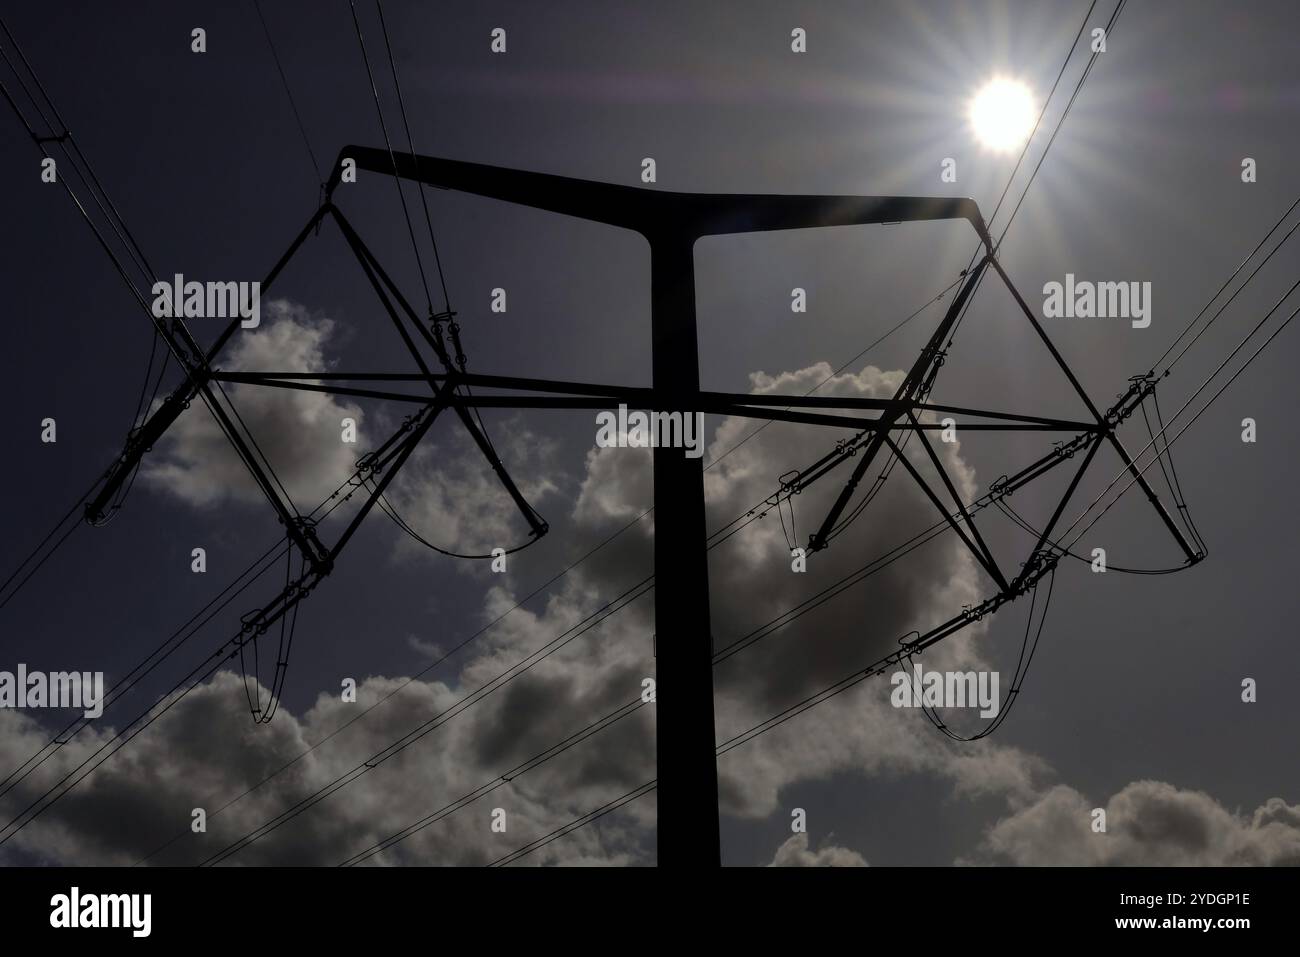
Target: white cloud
[(1147, 823), (795, 853), (449, 495), (207, 747), (752, 583), (300, 432), (207, 750)]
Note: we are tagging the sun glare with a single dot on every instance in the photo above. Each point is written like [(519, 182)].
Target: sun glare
[(1002, 114)]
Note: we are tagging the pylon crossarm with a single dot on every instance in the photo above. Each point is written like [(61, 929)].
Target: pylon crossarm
[(907, 393), (385, 394), (847, 448), (1191, 553), (989, 562), (1046, 534), (894, 405), (645, 397), (197, 383), (384, 287), (648, 399), (604, 397), (298, 240), (656, 210), (402, 452), (1040, 564), (979, 553), (888, 422)]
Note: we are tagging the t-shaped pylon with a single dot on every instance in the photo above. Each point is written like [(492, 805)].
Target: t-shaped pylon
[(672, 223)]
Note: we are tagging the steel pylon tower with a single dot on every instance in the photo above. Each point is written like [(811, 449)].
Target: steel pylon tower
[(671, 223)]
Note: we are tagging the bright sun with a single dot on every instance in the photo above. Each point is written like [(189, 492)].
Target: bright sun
[(1002, 114)]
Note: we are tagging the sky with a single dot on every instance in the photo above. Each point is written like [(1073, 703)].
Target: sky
[(1134, 700)]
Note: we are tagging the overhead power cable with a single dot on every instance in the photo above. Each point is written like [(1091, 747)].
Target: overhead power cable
[(288, 92), (499, 681), (76, 160), (148, 664), (122, 233), (1199, 412), (405, 683), (572, 826), (401, 744), (499, 781), (1027, 650), (408, 219)]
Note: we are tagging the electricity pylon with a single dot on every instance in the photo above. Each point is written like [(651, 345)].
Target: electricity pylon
[(671, 223)]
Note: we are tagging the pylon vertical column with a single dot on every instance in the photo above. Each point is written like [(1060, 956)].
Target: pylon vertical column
[(688, 775)]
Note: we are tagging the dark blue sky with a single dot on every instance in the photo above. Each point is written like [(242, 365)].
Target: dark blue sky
[(1137, 678)]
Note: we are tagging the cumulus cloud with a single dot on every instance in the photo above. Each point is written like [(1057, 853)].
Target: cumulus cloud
[(750, 573), (299, 431), (1147, 823), (207, 750), (449, 495), (752, 584), (447, 491), (795, 853)]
